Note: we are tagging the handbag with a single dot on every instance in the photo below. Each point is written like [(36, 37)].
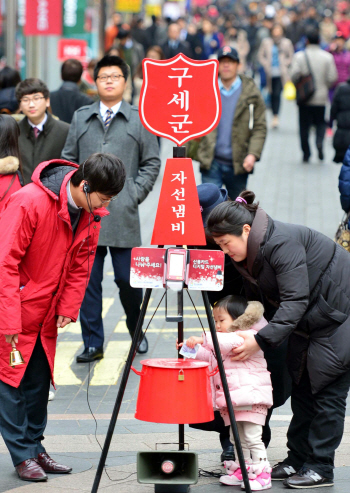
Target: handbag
[(342, 235), (305, 85), (289, 92), (8, 188)]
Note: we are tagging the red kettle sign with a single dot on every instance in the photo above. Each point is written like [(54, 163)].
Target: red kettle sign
[(180, 97)]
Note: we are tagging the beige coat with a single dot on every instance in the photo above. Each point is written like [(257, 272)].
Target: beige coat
[(286, 52)]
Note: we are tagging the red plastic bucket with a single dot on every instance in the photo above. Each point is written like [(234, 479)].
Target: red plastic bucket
[(174, 391)]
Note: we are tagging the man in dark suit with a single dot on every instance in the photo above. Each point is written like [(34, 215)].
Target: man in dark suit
[(174, 46), (42, 137), (68, 97)]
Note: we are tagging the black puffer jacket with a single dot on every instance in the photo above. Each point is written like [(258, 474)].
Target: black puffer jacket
[(306, 276), (340, 111)]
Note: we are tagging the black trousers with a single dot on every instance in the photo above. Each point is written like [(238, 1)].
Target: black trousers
[(23, 410), (91, 308), (317, 425), (311, 116), (276, 89)]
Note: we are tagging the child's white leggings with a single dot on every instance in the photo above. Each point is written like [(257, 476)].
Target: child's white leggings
[(252, 444)]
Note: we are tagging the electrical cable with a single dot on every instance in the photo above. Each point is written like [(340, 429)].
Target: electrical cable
[(194, 306), (210, 474)]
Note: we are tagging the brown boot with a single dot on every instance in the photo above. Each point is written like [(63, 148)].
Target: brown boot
[(30, 470)]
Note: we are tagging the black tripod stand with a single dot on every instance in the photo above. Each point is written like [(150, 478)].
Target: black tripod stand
[(124, 381)]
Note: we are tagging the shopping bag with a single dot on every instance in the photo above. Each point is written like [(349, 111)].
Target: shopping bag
[(289, 91), (342, 235)]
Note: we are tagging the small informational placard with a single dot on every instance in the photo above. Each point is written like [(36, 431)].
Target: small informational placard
[(206, 270), (147, 267)]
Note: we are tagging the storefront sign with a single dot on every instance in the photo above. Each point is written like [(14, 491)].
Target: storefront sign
[(43, 17), (73, 17), (72, 48)]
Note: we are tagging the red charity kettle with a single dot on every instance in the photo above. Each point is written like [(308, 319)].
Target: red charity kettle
[(174, 391)]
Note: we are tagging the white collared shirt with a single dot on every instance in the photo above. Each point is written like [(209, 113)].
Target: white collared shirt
[(40, 125), (104, 108)]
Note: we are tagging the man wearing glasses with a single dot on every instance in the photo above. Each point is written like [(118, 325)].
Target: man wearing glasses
[(42, 137), (111, 125)]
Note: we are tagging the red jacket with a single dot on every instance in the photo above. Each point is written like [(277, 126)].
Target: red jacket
[(8, 171), (43, 269)]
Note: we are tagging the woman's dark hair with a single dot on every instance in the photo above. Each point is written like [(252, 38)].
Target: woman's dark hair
[(235, 306), (31, 86), (313, 35), (9, 77), (157, 49), (105, 173), (229, 218), (111, 61), (9, 134)]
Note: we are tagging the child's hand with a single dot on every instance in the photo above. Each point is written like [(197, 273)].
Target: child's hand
[(178, 345), (192, 341)]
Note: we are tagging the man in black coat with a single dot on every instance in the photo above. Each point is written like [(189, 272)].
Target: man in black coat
[(174, 46), (305, 275), (42, 137), (340, 111), (68, 98)]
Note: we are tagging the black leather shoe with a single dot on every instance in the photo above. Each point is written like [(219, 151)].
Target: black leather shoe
[(281, 471), (320, 154), (90, 354), (143, 347), (307, 478), (228, 454)]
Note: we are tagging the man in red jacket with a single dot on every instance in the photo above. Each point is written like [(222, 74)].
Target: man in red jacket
[(49, 233)]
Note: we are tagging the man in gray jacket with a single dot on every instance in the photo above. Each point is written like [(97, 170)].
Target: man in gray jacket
[(324, 73), (113, 126)]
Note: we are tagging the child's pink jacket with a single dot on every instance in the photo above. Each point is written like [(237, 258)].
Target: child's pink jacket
[(249, 381)]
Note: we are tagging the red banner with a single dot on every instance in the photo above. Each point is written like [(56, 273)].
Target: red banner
[(72, 48), (178, 220), (43, 17)]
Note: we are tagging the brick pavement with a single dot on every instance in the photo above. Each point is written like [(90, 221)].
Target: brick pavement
[(289, 191)]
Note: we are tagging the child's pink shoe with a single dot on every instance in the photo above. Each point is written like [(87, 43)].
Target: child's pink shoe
[(259, 479), (234, 476)]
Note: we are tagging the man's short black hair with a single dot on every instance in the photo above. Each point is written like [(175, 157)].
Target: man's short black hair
[(105, 173), (71, 70), (111, 61), (313, 35), (31, 86)]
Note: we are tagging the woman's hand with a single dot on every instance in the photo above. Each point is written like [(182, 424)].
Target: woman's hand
[(248, 348)]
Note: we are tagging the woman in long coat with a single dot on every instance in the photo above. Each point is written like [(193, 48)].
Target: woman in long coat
[(306, 276)]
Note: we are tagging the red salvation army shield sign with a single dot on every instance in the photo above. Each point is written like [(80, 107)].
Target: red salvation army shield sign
[(180, 97)]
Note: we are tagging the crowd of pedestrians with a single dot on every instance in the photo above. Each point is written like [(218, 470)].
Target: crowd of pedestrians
[(92, 120)]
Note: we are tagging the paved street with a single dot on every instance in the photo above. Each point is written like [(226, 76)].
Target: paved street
[(289, 191)]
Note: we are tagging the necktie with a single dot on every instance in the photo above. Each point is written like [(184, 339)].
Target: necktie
[(109, 116), (36, 132)]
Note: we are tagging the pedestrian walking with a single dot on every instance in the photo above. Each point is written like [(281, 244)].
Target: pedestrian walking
[(174, 45), (344, 184), (68, 98), (340, 112), (9, 78), (47, 247), (113, 125), (305, 275), (249, 385), (42, 137), (10, 167), (321, 65), (275, 55), (228, 154)]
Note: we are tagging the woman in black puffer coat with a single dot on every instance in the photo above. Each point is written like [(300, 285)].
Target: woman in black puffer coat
[(306, 276), (340, 111)]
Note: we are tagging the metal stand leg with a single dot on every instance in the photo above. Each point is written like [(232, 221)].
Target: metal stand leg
[(121, 391), (226, 391), (180, 338)]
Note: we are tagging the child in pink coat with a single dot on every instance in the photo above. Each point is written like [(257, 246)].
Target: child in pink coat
[(249, 385)]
